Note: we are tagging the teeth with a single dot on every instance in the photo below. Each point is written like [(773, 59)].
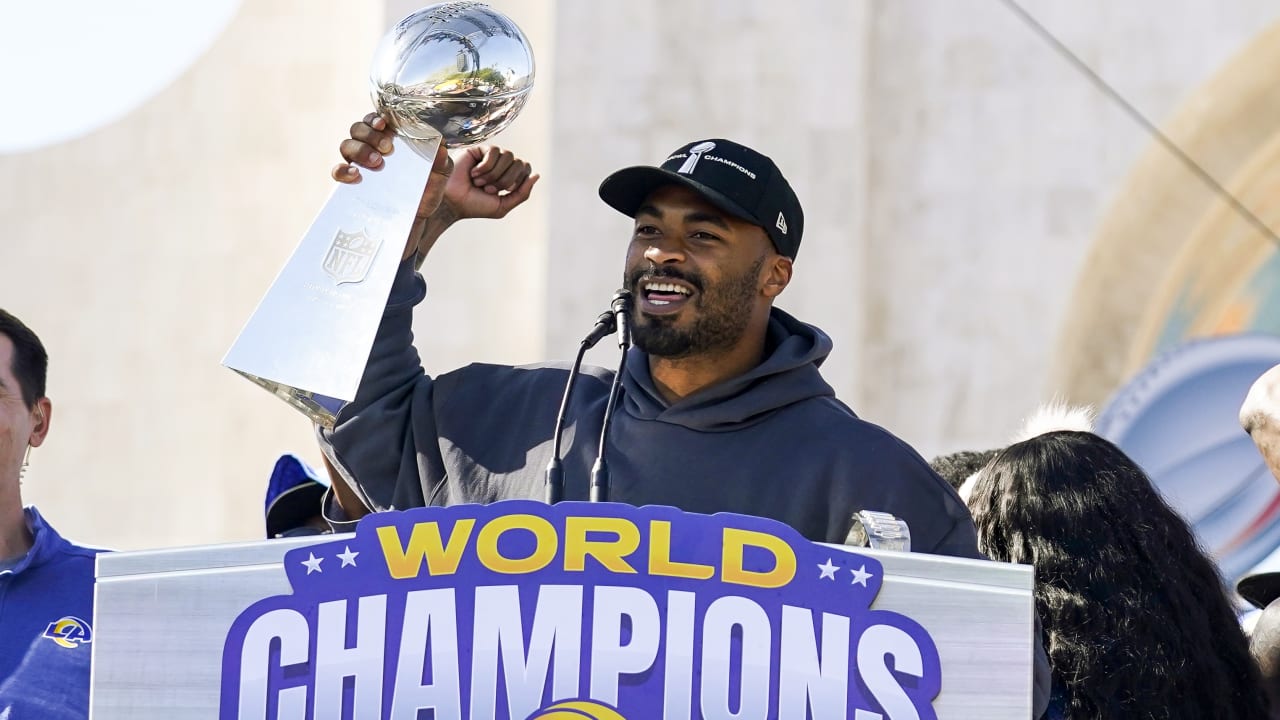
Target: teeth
[(665, 288)]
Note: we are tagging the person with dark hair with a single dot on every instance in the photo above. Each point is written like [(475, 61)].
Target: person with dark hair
[(1135, 617), (959, 466), (46, 582)]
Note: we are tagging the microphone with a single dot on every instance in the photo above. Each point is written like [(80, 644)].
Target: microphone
[(606, 323), (621, 308)]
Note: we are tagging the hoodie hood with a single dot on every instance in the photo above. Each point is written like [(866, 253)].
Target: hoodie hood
[(788, 375)]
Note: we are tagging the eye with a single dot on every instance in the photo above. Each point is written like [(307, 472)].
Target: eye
[(704, 236), (646, 230)]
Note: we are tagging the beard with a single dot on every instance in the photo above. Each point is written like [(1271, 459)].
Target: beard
[(721, 313)]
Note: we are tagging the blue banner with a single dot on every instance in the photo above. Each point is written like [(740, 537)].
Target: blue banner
[(578, 610)]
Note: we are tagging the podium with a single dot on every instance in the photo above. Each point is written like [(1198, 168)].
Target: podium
[(577, 610)]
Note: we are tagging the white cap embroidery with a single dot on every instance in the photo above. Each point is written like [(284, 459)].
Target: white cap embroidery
[(695, 154)]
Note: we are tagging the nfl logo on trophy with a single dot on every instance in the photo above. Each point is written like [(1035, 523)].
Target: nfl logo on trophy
[(350, 256)]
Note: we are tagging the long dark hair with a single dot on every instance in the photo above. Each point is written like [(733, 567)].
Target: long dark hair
[(1136, 621)]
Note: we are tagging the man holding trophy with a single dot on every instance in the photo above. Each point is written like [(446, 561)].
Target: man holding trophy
[(722, 409), (719, 407)]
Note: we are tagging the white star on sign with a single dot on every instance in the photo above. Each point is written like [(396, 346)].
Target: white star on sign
[(313, 563), (348, 557), (861, 576), (828, 570)]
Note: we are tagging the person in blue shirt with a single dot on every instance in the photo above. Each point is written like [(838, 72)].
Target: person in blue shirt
[(46, 582)]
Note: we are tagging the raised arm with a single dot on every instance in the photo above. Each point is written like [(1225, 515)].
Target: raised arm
[(482, 182), (383, 448)]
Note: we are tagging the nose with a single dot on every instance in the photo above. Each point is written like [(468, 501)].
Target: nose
[(663, 251)]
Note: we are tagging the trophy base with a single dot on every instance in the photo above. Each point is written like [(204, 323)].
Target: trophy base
[(322, 409)]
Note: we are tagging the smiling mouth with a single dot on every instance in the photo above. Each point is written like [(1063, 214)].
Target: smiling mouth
[(660, 296), (664, 293)]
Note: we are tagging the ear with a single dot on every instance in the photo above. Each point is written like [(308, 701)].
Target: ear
[(777, 275), (41, 414)]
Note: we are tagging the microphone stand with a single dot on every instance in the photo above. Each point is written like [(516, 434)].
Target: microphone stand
[(605, 324), (600, 471)]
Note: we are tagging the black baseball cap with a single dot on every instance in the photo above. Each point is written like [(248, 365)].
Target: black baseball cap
[(733, 177)]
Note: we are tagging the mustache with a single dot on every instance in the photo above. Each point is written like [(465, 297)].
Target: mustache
[(635, 277)]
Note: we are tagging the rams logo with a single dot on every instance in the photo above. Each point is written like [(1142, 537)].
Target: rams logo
[(578, 710), (69, 632)]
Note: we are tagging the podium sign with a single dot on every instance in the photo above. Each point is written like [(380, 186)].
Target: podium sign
[(577, 610)]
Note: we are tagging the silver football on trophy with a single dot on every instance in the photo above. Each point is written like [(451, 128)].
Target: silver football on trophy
[(461, 70)]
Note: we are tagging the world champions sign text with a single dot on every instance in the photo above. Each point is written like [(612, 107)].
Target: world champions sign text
[(574, 611)]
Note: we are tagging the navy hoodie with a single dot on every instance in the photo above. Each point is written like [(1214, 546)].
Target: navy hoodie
[(773, 442)]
